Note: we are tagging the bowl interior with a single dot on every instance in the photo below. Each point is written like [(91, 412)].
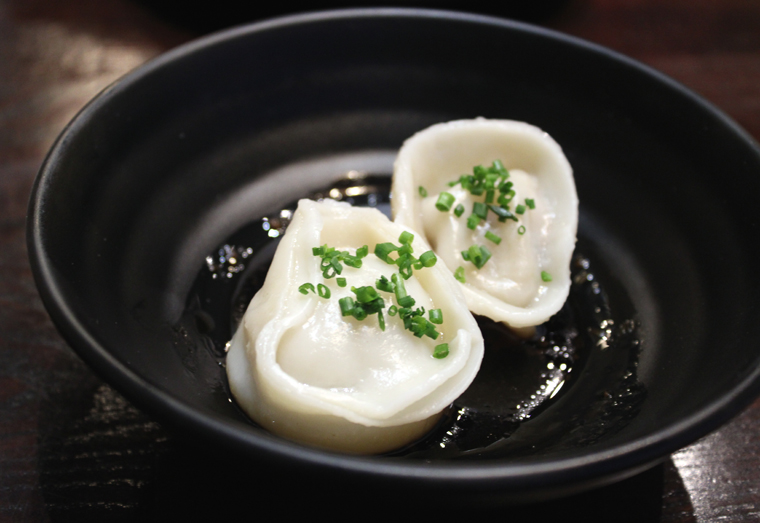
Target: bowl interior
[(170, 163)]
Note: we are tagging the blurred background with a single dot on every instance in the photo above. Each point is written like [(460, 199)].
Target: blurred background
[(73, 449)]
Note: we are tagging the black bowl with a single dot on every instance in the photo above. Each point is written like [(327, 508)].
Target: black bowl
[(186, 152)]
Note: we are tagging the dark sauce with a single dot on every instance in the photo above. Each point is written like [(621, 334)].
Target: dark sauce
[(570, 382)]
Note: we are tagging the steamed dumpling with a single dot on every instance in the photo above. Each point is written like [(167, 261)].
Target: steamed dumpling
[(527, 279), (302, 371)]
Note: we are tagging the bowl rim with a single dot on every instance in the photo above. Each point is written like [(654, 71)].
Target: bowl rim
[(618, 461)]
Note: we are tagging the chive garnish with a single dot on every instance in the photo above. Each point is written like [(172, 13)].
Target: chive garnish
[(545, 276), (521, 230), (436, 316), (473, 221), (459, 210), (341, 282), (530, 203), (477, 254), (305, 288), (359, 313), (406, 238), (444, 202), (402, 298), (520, 209), (422, 191), (441, 351), (459, 274), (346, 306), (491, 236), (332, 261), (480, 210), (383, 284), (489, 196), (502, 212), (365, 294), (383, 251), (428, 259)]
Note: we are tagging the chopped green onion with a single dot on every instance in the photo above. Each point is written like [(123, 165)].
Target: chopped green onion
[(505, 187), (478, 255), (323, 291), (444, 202), (489, 196), (459, 274), (392, 310), (359, 313), (430, 331), (506, 198), (502, 212), (405, 271), (402, 297), (381, 320), (520, 209), (521, 230), (362, 252), (332, 259), (491, 236), (346, 306), (352, 261), (530, 203), (383, 251), (305, 288), (480, 210), (383, 284), (423, 191), (428, 259), (406, 302), (441, 351), (365, 294), (436, 316), (341, 282), (545, 276), (406, 238), (486, 256), (459, 210), (335, 265), (473, 221)]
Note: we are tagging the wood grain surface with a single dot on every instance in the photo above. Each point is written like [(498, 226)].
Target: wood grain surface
[(72, 449)]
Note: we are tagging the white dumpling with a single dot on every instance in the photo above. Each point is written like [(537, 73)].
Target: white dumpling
[(304, 372), (509, 287)]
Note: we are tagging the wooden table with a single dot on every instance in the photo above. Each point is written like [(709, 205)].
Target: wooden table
[(71, 448)]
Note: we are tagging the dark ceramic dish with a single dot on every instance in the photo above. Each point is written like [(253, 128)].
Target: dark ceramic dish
[(190, 151)]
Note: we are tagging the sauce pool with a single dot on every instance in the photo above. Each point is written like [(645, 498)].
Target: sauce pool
[(572, 381)]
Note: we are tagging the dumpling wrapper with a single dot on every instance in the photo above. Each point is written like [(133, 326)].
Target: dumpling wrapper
[(509, 287), (303, 372)]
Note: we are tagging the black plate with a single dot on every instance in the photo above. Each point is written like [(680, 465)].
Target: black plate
[(167, 164)]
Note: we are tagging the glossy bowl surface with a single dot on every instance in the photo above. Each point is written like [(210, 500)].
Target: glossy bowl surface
[(174, 159)]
